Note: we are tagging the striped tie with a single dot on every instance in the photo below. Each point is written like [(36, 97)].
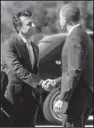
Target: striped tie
[(31, 53)]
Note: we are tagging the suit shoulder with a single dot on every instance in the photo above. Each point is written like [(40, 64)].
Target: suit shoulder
[(74, 40), (10, 41), (77, 36)]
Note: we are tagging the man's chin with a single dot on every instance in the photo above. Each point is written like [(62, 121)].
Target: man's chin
[(32, 38)]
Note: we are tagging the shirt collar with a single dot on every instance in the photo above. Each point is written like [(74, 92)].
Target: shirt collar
[(24, 40), (73, 28)]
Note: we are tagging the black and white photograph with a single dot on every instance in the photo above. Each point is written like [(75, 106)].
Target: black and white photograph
[(46, 64)]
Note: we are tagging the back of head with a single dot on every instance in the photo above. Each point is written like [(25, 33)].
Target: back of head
[(71, 12)]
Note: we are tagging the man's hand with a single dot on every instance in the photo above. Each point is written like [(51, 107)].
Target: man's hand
[(60, 106), (48, 84)]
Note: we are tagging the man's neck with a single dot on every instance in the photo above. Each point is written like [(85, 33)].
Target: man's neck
[(25, 39)]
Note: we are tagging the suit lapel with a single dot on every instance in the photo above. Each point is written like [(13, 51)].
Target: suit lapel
[(23, 49)]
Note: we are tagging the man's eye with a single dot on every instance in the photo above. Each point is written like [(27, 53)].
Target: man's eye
[(29, 24)]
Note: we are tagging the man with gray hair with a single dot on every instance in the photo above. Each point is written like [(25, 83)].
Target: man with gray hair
[(75, 101)]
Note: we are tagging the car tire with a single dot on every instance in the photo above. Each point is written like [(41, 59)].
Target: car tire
[(48, 107)]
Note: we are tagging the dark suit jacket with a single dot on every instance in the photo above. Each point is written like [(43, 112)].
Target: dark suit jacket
[(77, 62), (16, 64)]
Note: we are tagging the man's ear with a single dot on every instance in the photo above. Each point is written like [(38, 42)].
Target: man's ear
[(21, 30), (69, 22)]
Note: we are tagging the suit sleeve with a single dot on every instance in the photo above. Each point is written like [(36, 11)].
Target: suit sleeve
[(58, 80), (13, 62), (76, 59)]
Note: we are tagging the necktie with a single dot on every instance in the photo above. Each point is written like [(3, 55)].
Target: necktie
[(31, 53)]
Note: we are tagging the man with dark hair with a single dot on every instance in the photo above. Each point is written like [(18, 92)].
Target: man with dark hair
[(75, 100), (20, 62), (16, 18)]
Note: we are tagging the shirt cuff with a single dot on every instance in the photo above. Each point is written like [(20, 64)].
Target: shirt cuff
[(40, 83)]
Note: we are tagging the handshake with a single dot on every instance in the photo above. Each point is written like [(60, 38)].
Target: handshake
[(48, 84)]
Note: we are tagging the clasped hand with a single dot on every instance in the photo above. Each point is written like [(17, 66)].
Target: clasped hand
[(48, 84)]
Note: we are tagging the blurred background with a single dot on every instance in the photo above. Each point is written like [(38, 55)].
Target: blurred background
[(46, 15)]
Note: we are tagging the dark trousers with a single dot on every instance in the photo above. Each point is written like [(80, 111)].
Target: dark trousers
[(24, 108), (79, 108)]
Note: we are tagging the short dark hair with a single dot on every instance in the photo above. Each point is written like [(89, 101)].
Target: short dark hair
[(16, 18), (71, 12)]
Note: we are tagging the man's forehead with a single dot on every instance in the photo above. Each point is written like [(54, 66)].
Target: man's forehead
[(26, 19)]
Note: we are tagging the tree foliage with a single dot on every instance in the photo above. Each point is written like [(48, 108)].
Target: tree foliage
[(45, 13)]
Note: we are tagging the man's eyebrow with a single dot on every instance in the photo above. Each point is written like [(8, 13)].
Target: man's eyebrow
[(29, 22)]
